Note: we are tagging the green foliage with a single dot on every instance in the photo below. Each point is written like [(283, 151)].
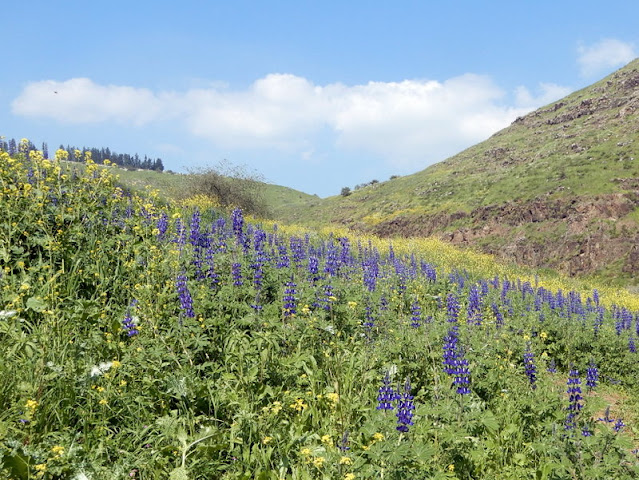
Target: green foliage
[(246, 388), (230, 186)]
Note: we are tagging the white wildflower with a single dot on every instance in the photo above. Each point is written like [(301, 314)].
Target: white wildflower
[(100, 369)]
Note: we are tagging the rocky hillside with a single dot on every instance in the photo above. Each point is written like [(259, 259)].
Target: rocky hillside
[(559, 188)]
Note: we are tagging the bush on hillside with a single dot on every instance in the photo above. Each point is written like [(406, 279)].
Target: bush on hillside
[(231, 185)]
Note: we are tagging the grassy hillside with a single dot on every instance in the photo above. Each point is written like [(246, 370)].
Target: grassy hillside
[(558, 188), (152, 342), (174, 186)]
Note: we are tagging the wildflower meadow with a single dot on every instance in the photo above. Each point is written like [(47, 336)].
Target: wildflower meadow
[(148, 340)]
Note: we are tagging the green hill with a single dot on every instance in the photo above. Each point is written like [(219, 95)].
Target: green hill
[(176, 186), (558, 188)]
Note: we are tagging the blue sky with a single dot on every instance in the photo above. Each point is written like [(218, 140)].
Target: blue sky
[(314, 95)]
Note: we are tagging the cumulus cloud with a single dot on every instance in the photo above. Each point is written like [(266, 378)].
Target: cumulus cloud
[(408, 122), (604, 56), (548, 93), (79, 100)]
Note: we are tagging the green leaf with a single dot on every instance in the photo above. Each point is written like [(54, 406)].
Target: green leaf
[(489, 421), (36, 304), (179, 473)]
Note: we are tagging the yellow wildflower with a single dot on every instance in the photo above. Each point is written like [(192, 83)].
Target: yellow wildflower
[(345, 461), (266, 440), (298, 405), (378, 437), (333, 397), (58, 450), (31, 404), (349, 476), (318, 461), (305, 451), (326, 440)]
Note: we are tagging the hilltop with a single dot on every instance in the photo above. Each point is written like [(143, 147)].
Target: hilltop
[(558, 188)]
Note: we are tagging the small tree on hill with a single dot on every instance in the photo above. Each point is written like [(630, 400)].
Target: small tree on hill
[(231, 186), (346, 191)]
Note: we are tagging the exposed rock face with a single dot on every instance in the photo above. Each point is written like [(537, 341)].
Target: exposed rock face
[(577, 236)]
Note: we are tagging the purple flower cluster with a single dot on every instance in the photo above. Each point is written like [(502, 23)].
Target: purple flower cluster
[(592, 376), (452, 307), (290, 301), (416, 310), (454, 362), (575, 398), (386, 395), (618, 423), (405, 408), (186, 301), (128, 323), (236, 271)]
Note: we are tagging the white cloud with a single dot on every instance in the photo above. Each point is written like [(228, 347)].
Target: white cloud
[(604, 56), (79, 100), (548, 93), (409, 123)]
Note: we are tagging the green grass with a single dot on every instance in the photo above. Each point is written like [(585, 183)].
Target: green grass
[(132, 351)]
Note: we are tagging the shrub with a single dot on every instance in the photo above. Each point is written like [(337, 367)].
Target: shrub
[(231, 186)]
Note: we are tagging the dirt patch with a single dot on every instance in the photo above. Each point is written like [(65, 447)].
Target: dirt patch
[(577, 236)]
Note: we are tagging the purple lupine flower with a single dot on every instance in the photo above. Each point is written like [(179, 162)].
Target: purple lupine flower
[(370, 270), (454, 362), (592, 376), (313, 269), (450, 351), (474, 306), (405, 407), (386, 394), (552, 366), (162, 225), (345, 255), (236, 271), (531, 369), (416, 310), (297, 249), (429, 271), (128, 323), (283, 261), (383, 303), (452, 307), (194, 235), (574, 401), (618, 425), (370, 318), (290, 301), (186, 301), (462, 376), (585, 431), (238, 222), (632, 348), (331, 266)]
